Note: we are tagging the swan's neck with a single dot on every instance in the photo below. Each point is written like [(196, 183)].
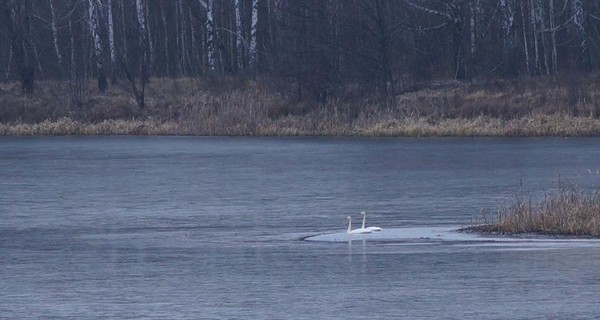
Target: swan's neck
[(364, 218), (349, 225)]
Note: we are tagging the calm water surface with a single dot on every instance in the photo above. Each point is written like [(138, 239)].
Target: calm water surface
[(211, 228)]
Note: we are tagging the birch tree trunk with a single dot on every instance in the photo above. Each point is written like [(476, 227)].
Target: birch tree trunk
[(123, 29), (458, 39), (553, 39), (165, 38), (180, 35), (539, 13), (95, 32), (185, 48), (474, 8), (508, 43), (31, 40), (239, 34), (534, 31), (507, 14), (143, 32), (252, 52), (525, 41), (579, 22), (194, 62), (141, 20), (210, 33), (73, 67), (149, 38), (111, 41), (55, 32)]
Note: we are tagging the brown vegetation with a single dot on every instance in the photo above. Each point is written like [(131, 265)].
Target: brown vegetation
[(234, 106), (568, 212)]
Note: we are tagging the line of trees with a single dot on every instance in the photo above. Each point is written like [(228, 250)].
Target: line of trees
[(322, 46)]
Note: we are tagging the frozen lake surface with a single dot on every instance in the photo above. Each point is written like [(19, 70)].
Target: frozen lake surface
[(254, 228)]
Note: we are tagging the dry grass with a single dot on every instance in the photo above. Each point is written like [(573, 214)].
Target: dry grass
[(67, 126), (229, 106), (568, 212)]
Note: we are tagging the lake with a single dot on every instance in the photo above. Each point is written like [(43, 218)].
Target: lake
[(221, 228)]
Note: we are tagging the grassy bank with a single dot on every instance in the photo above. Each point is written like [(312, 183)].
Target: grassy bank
[(564, 213), (525, 107), (380, 126)]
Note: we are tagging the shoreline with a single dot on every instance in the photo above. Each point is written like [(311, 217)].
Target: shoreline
[(292, 126), (492, 230), (229, 106)]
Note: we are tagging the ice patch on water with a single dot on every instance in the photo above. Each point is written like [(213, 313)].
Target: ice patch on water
[(399, 234), (452, 236)]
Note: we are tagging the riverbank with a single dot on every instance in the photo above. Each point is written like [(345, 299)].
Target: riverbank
[(237, 107), (565, 213), (539, 125)]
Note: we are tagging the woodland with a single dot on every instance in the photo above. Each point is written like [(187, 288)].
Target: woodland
[(97, 60)]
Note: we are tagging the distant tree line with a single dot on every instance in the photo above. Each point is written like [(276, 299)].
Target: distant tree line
[(323, 46)]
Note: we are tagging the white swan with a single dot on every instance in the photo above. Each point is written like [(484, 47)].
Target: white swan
[(364, 214), (355, 231)]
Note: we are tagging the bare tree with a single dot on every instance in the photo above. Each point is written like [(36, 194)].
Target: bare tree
[(55, 32), (452, 15), (17, 19), (578, 12), (210, 33), (239, 36), (525, 39), (95, 32), (111, 41), (252, 52), (553, 38)]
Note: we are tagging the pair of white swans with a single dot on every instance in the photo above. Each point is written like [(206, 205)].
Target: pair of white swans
[(362, 229)]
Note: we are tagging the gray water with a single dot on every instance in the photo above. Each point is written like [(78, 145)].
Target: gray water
[(213, 228)]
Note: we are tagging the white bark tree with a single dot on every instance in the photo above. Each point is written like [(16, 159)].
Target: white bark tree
[(149, 42), (144, 45), (534, 30), (525, 39), (553, 38), (55, 32), (508, 18), (210, 33), (475, 10), (73, 66), (123, 29), (163, 18), (111, 41), (541, 21), (95, 32), (239, 44), (252, 52), (180, 36), (141, 20), (579, 22)]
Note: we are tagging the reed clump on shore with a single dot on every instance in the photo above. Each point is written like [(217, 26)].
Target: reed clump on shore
[(567, 212), (242, 107)]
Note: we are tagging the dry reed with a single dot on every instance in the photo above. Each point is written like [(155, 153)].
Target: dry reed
[(540, 107), (567, 212)]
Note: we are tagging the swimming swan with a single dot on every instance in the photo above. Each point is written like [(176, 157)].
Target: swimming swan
[(364, 214), (355, 231)]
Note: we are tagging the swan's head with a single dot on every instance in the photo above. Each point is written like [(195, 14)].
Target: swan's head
[(348, 218), (363, 213)]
